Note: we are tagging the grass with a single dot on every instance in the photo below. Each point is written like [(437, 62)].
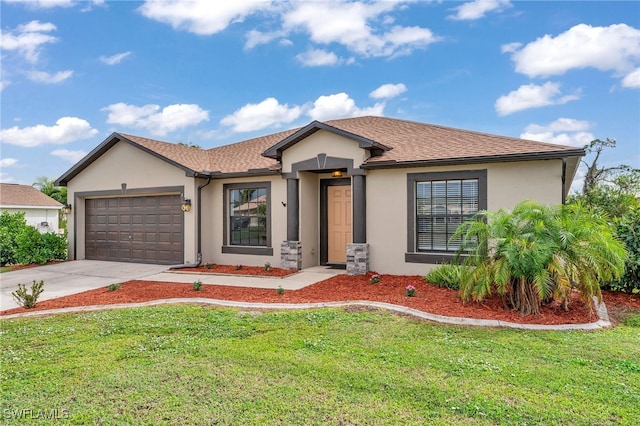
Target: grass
[(201, 365)]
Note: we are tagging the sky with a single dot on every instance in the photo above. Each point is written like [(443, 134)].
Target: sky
[(212, 73)]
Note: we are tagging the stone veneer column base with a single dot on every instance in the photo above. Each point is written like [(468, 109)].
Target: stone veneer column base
[(357, 258), (291, 255)]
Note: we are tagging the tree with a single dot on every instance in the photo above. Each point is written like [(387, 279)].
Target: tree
[(535, 254), (47, 186)]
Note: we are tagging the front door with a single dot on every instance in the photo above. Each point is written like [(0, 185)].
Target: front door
[(338, 226)]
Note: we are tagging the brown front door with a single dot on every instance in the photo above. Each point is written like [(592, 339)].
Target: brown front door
[(338, 222)]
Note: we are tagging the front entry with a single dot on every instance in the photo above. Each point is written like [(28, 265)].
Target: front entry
[(336, 229)]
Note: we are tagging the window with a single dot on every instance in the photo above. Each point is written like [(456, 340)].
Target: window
[(247, 218), (438, 203)]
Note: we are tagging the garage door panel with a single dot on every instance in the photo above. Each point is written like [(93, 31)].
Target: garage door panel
[(145, 229)]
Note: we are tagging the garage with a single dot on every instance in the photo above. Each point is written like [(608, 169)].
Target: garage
[(142, 229)]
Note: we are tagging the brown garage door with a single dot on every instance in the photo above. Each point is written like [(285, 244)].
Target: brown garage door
[(135, 229)]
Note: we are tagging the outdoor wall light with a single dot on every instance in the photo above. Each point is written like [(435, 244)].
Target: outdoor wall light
[(186, 205), (66, 209), (336, 173)]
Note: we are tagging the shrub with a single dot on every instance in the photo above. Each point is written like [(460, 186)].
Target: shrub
[(280, 290), (197, 285), (410, 291), (448, 275), (238, 267), (24, 244), (375, 279), (627, 229), (267, 266), (25, 299), (114, 287)]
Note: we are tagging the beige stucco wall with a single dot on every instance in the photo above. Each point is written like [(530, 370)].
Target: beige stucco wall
[(213, 222), (507, 184), (323, 142), (124, 163)]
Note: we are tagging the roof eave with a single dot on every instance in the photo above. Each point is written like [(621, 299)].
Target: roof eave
[(107, 144), (475, 160), (276, 150)]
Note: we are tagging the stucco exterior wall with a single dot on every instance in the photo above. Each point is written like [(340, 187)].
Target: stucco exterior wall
[(323, 142), (507, 184), (213, 223), (36, 216), (140, 171)]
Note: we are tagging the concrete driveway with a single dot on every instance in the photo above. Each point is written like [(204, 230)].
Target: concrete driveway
[(62, 279)]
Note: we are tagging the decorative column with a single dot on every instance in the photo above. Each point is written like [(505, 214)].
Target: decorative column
[(358, 250), (291, 250)]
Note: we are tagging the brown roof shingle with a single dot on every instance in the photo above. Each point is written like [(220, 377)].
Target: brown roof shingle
[(24, 195)]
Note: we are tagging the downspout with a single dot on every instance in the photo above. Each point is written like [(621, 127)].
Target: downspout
[(564, 179), (199, 231)]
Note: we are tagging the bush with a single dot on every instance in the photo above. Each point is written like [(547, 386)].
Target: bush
[(25, 299), (114, 286), (197, 285), (448, 276), (24, 244), (627, 229)]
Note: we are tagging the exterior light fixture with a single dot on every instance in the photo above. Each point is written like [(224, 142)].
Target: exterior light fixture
[(186, 205), (66, 209), (336, 174)]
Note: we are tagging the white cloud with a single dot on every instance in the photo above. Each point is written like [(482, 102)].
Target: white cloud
[(477, 9), (7, 162), (532, 96), (563, 131), (340, 105), (27, 39), (632, 79), (114, 59), (387, 91), (66, 129), (46, 78), (42, 4), (317, 58), (4, 84), (355, 25), (201, 16), (256, 38), (68, 155), (156, 121), (613, 48), (268, 113), (5, 178)]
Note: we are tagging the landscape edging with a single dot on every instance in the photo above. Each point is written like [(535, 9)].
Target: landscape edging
[(601, 311)]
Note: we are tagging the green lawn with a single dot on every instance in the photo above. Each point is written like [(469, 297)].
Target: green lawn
[(202, 365)]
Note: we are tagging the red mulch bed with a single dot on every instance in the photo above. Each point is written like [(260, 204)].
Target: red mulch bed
[(31, 265), (390, 289), (245, 270)]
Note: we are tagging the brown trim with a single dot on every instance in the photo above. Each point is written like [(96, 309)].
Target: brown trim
[(324, 214), (106, 145), (276, 150), (158, 190), (323, 163), (412, 256), (555, 155), (257, 250)]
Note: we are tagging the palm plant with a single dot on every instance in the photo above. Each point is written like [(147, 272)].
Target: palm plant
[(537, 253)]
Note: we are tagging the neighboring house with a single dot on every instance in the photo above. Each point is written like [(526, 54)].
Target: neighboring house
[(370, 192), (40, 210)]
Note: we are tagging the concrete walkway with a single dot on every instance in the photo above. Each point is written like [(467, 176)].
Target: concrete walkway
[(295, 281)]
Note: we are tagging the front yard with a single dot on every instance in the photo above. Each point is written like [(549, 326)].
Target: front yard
[(202, 365)]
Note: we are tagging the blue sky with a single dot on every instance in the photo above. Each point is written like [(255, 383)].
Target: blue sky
[(211, 73)]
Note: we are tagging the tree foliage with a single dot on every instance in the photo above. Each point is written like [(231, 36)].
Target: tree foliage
[(47, 186), (535, 254)]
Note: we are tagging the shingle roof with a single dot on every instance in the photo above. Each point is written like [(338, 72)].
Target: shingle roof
[(25, 195), (396, 142)]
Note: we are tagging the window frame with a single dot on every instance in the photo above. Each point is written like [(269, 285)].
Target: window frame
[(227, 247), (436, 256)]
